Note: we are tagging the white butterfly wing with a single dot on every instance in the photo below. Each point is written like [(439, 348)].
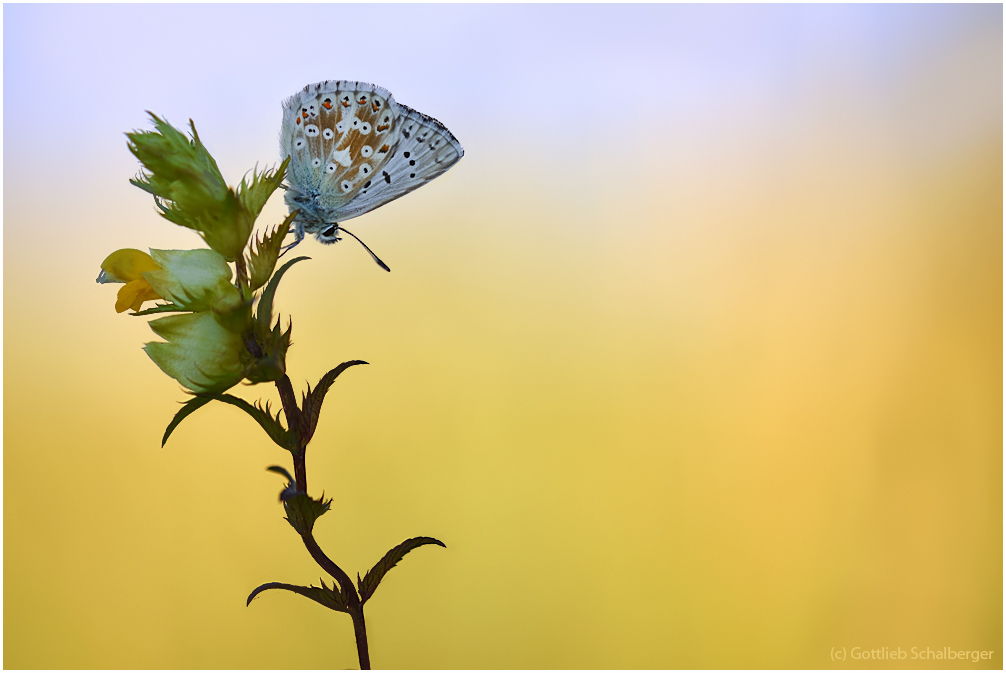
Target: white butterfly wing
[(424, 150)]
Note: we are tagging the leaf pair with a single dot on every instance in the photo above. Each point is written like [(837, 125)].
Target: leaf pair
[(283, 437), (333, 598)]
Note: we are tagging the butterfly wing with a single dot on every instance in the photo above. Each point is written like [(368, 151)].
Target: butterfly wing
[(424, 150), (338, 134), (353, 148)]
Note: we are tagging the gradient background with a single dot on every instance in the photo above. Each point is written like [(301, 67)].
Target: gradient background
[(694, 360)]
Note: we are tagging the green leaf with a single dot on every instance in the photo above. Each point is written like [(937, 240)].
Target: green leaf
[(189, 407), (369, 583), (263, 416), (331, 598), (253, 194), (264, 313), (265, 253), (313, 399)]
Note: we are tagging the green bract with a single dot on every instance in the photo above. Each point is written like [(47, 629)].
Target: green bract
[(193, 280), (190, 191), (199, 353)]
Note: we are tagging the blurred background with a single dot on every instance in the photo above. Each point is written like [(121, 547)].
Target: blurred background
[(694, 360)]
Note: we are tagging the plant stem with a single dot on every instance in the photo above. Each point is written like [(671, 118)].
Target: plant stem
[(360, 626), (293, 419)]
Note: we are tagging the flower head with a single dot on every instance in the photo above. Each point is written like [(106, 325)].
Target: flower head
[(215, 341)]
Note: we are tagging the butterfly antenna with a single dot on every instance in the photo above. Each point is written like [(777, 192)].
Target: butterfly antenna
[(376, 258)]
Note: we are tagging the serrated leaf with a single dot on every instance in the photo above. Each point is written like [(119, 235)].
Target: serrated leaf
[(265, 253), (313, 399), (253, 194), (331, 598), (280, 435), (183, 413), (264, 312), (373, 578)]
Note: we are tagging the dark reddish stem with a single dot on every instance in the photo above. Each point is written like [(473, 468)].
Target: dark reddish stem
[(294, 422)]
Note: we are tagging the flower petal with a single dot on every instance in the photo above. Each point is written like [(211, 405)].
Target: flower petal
[(126, 265), (133, 294)]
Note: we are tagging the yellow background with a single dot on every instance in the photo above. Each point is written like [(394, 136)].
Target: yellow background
[(694, 360)]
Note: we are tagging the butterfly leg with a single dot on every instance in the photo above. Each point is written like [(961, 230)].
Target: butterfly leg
[(298, 232)]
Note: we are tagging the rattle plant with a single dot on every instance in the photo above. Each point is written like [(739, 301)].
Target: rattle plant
[(222, 330)]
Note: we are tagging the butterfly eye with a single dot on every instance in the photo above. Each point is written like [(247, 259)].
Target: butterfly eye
[(364, 169), (299, 143), (328, 134), (346, 186), (365, 129), (366, 151), (341, 127), (316, 162), (311, 131), (330, 169)]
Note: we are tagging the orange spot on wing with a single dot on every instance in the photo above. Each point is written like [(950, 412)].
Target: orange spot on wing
[(363, 99), (382, 127), (345, 103), (327, 105), (383, 149), (374, 106), (298, 120)]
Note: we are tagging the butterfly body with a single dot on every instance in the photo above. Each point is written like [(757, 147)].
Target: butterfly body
[(353, 148)]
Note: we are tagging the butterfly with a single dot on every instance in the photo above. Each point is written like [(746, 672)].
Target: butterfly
[(354, 148)]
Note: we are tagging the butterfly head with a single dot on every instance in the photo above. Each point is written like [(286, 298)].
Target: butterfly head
[(329, 234)]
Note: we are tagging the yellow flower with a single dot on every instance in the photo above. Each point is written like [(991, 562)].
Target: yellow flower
[(204, 346), (128, 266)]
